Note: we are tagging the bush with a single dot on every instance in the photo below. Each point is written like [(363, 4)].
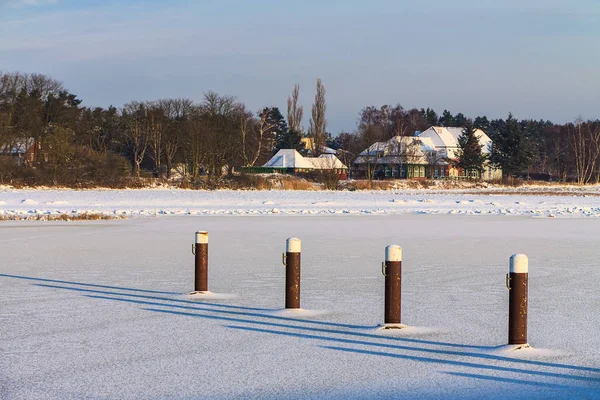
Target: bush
[(83, 168)]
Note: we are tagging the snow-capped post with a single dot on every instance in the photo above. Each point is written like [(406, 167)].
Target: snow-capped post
[(392, 270), (200, 251), (291, 260), (517, 282)]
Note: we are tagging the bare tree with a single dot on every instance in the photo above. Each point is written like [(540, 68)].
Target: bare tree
[(370, 137), (156, 131), (135, 118), (433, 158), (585, 139), (294, 111), (318, 123), (403, 151), (261, 133), (178, 112)]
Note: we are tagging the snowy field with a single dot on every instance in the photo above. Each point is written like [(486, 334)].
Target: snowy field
[(98, 309), (536, 202)]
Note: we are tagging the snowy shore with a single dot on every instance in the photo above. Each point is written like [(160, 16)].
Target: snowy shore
[(533, 202)]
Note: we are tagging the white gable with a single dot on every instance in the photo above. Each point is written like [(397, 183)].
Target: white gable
[(446, 139), (288, 158), (326, 161)]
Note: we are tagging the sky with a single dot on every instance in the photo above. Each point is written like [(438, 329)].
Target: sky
[(535, 58)]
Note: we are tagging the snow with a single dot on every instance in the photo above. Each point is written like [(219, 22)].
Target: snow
[(519, 264), (100, 309), (581, 203)]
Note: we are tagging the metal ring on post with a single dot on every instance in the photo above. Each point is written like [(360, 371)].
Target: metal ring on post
[(383, 268), (283, 259)]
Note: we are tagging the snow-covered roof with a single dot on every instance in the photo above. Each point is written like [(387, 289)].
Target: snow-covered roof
[(326, 161), (409, 149), (288, 158), (374, 148), (446, 138)]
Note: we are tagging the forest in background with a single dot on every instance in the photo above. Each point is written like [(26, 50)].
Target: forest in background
[(191, 142)]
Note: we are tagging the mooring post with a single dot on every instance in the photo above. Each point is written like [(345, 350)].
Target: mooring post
[(517, 282), (200, 251), (392, 270), (291, 260)]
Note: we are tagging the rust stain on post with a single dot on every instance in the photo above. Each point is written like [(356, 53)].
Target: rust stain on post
[(292, 273), (517, 309), (518, 280), (393, 285), (292, 280)]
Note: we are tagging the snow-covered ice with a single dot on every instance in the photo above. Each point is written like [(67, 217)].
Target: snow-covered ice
[(100, 309), (162, 202)]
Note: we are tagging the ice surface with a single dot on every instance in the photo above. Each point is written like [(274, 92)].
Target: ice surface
[(158, 203), (99, 309)]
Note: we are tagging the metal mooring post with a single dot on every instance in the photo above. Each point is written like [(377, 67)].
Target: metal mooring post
[(517, 282), (392, 270), (291, 260), (200, 251)]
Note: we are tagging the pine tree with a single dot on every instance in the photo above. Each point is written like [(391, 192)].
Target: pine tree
[(289, 139), (429, 116), (469, 156), (447, 119), (513, 147), (481, 123)]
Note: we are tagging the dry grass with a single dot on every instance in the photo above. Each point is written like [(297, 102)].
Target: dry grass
[(299, 184), (365, 184), (60, 217)]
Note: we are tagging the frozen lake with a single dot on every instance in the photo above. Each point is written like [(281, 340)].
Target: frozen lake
[(98, 309), (580, 202)]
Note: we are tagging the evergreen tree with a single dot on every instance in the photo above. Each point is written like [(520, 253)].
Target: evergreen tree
[(460, 120), (481, 123), (286, 138), (469, 156), (447, 119), (274, 118), (430, 117), (513, 147)]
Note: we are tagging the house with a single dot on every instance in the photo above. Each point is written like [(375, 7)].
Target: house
[(21, 151), (400, 157), (292, 162), (426, 155), (445, 141)]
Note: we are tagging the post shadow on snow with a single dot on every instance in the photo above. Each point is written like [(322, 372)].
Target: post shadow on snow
[(323, 330), (85, 284), (418, 358), (547, 385), (202, 307), (124, 288), (473, 365)]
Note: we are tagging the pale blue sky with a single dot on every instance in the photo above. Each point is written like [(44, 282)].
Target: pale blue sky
[(534, 58)]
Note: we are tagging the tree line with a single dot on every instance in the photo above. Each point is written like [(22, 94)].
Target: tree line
[(526, 148), (71, 144)]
